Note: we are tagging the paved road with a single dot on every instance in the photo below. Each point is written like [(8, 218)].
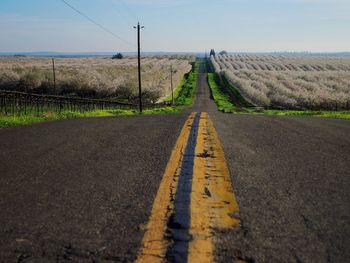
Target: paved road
[(81, 190), (291, 176)]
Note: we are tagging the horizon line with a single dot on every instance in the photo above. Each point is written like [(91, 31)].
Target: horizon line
[(208, 51)]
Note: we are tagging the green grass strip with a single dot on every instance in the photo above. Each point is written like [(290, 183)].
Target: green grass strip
[(176, 91), (268, 112), (186, 92), (221, 99), (15, 120), (323, 113)]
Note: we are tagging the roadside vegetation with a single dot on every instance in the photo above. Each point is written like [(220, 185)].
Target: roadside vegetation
[(97, 78), (184, 93), (228, 94), (32, 117), (289, 82), (183, 96), (221, 98), (187, 91)]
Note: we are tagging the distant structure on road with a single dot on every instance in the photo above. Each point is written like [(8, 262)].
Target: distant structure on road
[(212, 52)]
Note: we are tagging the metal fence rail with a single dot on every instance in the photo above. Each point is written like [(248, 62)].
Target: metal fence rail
[(13, 102)]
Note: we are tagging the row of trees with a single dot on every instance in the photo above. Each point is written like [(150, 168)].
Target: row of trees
[(290, 89), (93, 77)]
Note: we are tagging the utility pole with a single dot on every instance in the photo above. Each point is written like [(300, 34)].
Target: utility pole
[(171, 80), (54, 75), (138, 27)]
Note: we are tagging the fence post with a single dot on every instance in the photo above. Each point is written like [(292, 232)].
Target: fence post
[(25, 107), (54, 75)]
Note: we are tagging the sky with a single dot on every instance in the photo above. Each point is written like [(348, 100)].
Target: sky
[(176, 25)]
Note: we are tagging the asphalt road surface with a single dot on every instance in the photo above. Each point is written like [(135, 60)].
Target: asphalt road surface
[(82, 190), (291, 176)]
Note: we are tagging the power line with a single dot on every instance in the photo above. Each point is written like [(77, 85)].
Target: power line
[(97, 24)]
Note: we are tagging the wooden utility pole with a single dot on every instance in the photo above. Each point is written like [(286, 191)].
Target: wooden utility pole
[(171, 85), (138, 27), (54, 75)]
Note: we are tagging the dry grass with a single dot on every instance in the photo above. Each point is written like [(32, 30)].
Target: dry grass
[(93, 77), (289, 81)]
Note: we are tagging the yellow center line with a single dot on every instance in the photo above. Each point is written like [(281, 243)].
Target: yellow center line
[(212, 203), (201, 246), (154, 242)]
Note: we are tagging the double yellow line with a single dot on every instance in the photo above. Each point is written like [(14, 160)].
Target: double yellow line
[(212, 204)]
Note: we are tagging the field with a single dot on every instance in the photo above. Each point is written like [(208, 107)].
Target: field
[(290, 82), (91, 87), (94, 77)]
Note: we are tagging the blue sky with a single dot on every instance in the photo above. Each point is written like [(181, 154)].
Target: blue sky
[(176, 25)]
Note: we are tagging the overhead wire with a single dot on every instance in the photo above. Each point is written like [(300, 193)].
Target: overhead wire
[(97, 24)]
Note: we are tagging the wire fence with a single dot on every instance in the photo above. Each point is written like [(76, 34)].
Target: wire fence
[(13, 103)]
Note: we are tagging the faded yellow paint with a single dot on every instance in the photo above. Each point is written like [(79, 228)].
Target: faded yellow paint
[(154, 242), (224, 206), (213, 204), (201, 245)]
